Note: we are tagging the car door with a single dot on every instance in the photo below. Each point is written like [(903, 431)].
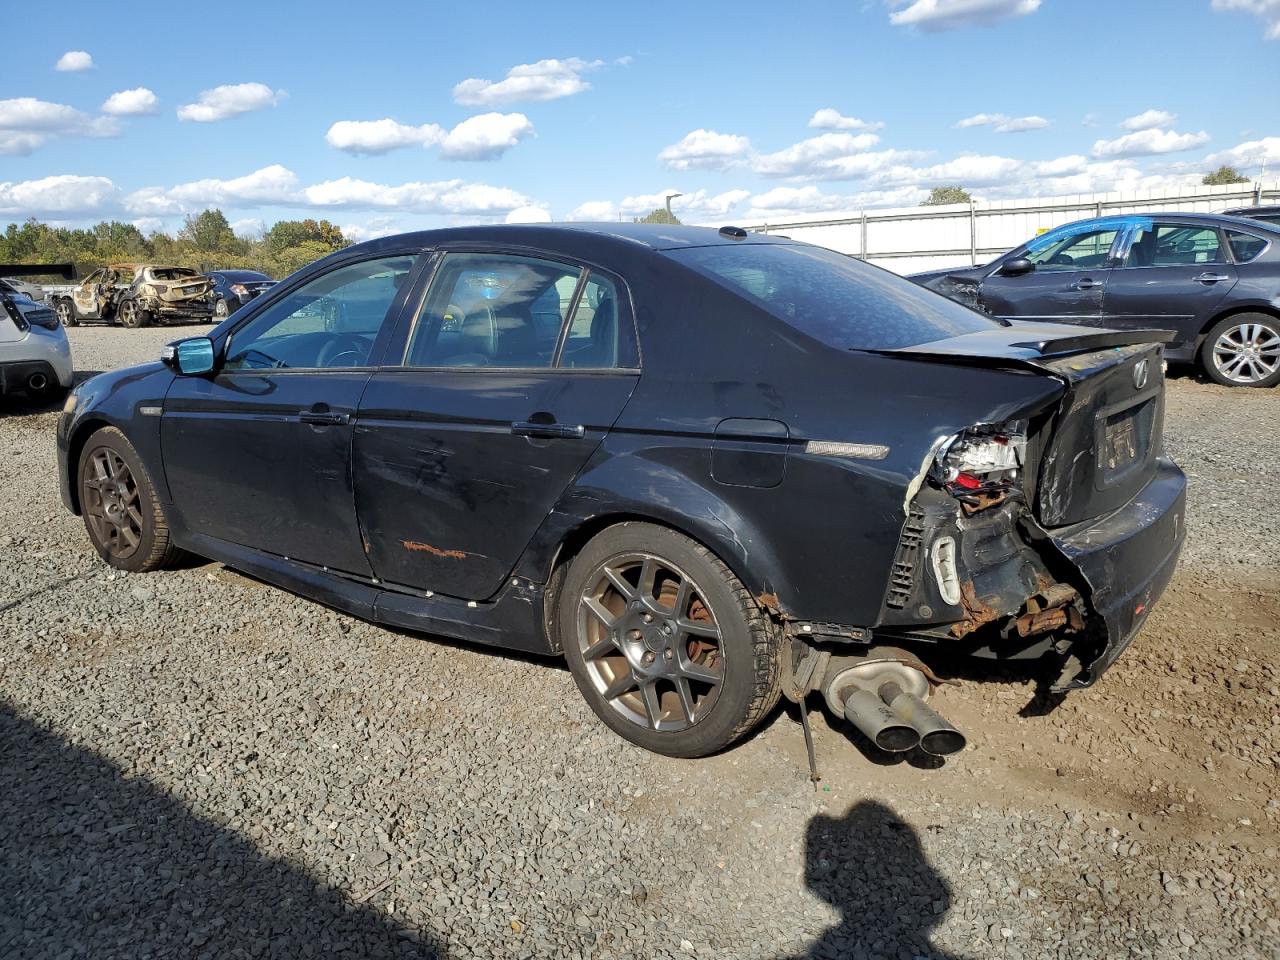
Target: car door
[(512, 372), (259, 454), (1072, 268), (86, 296), (1172, 277)]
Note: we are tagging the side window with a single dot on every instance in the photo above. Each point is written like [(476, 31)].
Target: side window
[(492, 310), (1173, 245), (593, 340), (330, 321), (1086, 250), (1245, 246)]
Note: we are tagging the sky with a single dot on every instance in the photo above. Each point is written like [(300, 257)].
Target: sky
[(392, 115)]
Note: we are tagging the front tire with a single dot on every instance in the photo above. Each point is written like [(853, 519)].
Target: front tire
[(1243, 350), (132, 315), (66, 314), (667, 646), (220, 311), (125, 520)]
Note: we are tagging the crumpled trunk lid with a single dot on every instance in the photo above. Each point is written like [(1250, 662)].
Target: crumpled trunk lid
[(187, 290)]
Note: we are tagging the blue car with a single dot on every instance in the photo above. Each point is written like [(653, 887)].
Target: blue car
[(235, 288)]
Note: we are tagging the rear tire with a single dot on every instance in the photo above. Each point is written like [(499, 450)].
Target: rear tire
[(124, 519), (667, 646), (1243, 350), (132, 315), (66, 314), (220, 311)]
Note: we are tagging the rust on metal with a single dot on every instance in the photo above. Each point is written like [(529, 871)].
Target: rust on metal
[(770, 602), (976, 613), (434, 551)]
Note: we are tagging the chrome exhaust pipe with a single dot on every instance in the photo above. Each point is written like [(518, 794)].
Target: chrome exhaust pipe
[(937, 735), (37, 382), (879, 724)]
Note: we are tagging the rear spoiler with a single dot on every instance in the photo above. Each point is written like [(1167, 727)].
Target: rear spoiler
[(67, 271), (1025, 342), (1057, 346)]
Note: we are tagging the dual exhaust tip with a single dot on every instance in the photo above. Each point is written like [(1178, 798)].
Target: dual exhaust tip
[(892, 717)]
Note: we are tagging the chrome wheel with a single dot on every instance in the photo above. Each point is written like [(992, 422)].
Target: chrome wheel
[(650, 642), (64, 314), (111, 502), (1247, 352), (220, 310)]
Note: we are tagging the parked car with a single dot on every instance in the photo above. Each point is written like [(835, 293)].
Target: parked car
[(35, 357), (32, 291), (708, 468), (234, 288), (1214, 281), (136, 295), (1269, 214)]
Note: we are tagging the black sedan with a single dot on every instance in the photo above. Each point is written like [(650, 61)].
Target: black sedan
[(1214, 281), (235, 288), (708, 468)]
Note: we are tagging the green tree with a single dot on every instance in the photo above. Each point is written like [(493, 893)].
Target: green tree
[(292, 233), (658, 215), (208, 231), (296, 257), (1223, 175), (943, 195)]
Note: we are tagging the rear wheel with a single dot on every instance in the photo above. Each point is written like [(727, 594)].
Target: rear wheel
[(132, 315), (666, 645), (1243, 351), (125, 521), (220, 310), (66, 315)]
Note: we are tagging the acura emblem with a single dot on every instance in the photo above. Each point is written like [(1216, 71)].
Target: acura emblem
[(1140, 374)]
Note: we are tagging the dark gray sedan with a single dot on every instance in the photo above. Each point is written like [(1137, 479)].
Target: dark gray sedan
[(1213, 280)]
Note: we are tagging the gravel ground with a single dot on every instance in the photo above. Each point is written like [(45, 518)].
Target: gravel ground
[(194, 764)]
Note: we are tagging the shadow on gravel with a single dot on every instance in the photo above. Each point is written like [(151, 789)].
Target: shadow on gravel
[(869, 865), (93, 864)]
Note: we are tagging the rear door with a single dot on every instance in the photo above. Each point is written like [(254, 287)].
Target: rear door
[(512, 372), (1072, 269), (1172, 277)]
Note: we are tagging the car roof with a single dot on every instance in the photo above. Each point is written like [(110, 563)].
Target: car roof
[(1218, 219), (239, 272)]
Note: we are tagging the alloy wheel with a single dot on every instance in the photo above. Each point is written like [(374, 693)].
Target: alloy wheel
[(112, 502), (64, 314), (1247, 352), (650, 642)]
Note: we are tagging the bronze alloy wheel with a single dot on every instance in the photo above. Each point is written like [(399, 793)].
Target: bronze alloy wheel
[(650, 642), (112, 504)]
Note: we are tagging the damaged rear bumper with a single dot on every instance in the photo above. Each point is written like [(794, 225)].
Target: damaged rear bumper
[(1127, 559)]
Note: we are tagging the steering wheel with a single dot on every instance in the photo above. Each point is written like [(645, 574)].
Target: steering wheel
[(344, 350), (1063, 259)]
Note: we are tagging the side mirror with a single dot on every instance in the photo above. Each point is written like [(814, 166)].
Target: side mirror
[(191, 357), (1017, 267)]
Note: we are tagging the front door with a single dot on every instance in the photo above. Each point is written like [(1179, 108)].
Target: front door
[(260, 454), (89, 296), (511, 376), (1173, 278), (1072, 268)]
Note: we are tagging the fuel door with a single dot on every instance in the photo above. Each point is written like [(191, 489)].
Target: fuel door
[(749, 453)]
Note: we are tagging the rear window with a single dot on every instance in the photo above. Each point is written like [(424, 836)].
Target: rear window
[(833, 298), (1245, 246)]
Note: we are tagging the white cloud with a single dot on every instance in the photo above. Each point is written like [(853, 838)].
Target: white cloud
[(445, 196), (815, 157), (1060, 167), (73, 61), (149, 224), (694, 207), (830, 119), (60, 196), (273, 184), (1266, 10), (533, 82), (532, 213), (229, 100), (936, 15), (370, 229), (128, 103), (1148, 119), (380, 136), (786, 203), (594, 210), (1247, 155), (705, 150), (27, 124), (1002, 123), (1147, 143), (485, 136), (968, 170), (251, 228)]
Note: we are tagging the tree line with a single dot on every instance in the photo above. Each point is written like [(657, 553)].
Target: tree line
[(205, 242)]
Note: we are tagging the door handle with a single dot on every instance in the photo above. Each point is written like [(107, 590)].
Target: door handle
[(527, 428), (323, 418), (1086, 284), (1211, 277)]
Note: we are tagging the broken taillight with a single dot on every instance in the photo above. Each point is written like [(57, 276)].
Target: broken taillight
[(981, 458)]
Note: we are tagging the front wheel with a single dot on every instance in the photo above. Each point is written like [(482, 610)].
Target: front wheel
[(125, 520), (1243, 351), (220, 310), (666, 645), (66, 316), (132, 315)]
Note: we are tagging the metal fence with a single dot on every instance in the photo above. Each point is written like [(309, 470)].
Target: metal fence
[(910, 239)]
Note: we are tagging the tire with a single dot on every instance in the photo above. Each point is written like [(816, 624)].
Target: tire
[(1243, 350), (220, 311), (66, 313), (131, 315), (704, 692), (109, 458)]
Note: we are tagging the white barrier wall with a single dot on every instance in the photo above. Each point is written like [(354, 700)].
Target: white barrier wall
[(910, 239)]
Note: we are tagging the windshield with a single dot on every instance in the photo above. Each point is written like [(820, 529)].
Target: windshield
[(173, 273), (833, 298)]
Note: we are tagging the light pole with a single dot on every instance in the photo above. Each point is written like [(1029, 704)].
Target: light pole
[(670, 197)]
